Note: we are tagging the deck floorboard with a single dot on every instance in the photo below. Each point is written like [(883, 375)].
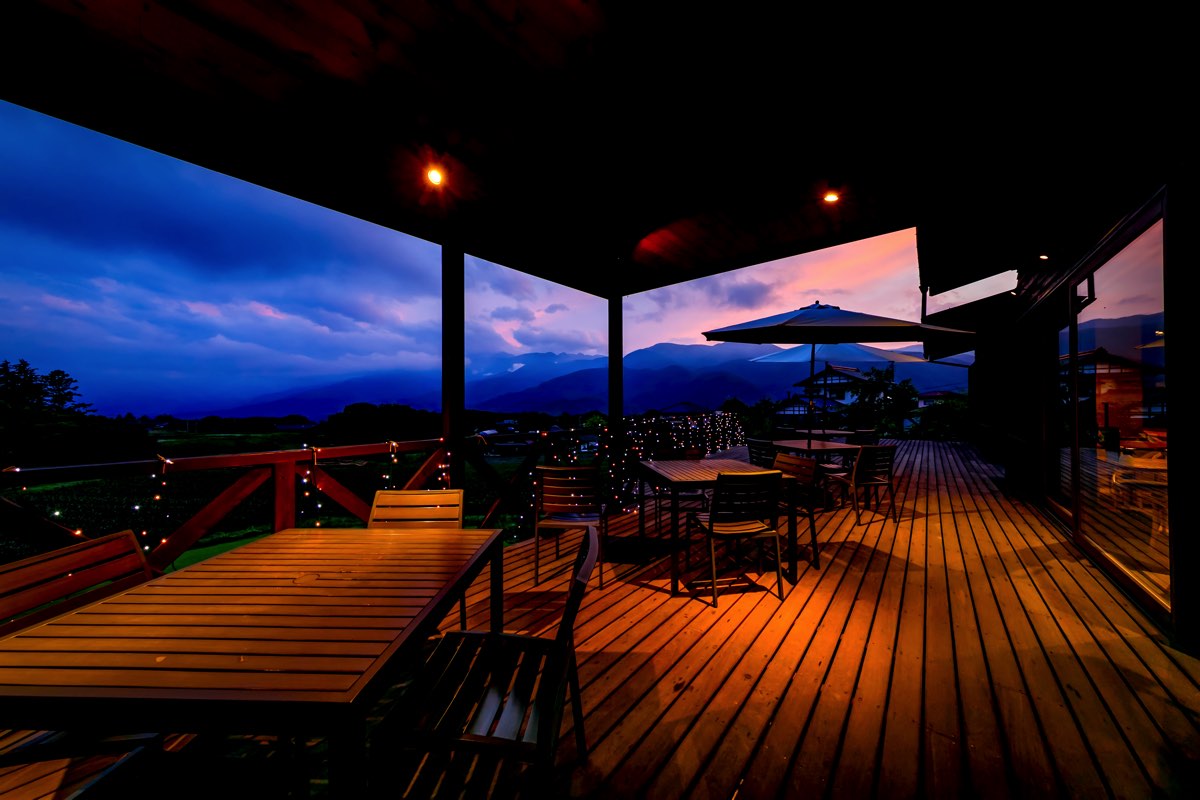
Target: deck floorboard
[(971, 649)]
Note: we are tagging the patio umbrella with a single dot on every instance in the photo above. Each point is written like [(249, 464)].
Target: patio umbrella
[(826, 324), (850, 355)]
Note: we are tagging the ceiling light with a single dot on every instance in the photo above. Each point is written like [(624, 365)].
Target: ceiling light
[(434, 176), (831, 197)]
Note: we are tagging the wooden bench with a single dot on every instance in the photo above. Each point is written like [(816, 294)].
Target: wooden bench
[(46, 585), (44, 764)]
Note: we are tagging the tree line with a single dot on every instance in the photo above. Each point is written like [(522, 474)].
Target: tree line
[(43, 420)]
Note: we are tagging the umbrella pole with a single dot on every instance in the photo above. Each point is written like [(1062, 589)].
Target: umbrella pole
[(812, 372)]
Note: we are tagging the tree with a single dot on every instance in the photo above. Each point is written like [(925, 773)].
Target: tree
[(43, 421), (881, 403)]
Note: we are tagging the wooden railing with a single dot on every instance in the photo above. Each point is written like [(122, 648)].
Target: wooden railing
[(283, 471), (282, 468)]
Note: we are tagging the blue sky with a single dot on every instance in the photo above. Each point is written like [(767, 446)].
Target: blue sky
[(154, 282)]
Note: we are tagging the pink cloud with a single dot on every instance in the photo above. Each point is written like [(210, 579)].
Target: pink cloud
[(264, 310)]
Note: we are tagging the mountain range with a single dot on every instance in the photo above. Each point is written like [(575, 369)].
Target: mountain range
[(660, 377)]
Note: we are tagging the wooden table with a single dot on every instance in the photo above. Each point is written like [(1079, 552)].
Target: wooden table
[(297, 633), (819, 449), (680, 475), (821, 433), (1141, 483)]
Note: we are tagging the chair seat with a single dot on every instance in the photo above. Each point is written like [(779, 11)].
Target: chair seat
[(572, 520), (740, 528), (481, 691)]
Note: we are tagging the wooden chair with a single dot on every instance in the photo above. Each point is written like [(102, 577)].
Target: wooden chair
[(417, 508), (567, 498), (485, 707), (762, 452), (420, 508), (42, 764), (806, 491), (873, 473), (48, 584), (745, 505)]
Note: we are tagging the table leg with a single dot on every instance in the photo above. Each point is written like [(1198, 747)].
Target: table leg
[(795, 570), (497, 610), (348, 760), (674, 540), (641, 507)]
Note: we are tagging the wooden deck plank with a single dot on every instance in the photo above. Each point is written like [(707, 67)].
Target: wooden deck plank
[(823, 740), (1121, 680), (784, 736), (970, 650), (943, 767), (1020, 738)]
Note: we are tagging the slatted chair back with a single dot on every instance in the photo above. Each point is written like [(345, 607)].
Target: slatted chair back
[(567, 497), (420, 508), (746, 497), (874, 465), (568, 493), (873, 473), (745, 505), (802, 468), (40, 764), (761, 452), (417, 508), (484, 698), (45, 585), (581, 572), (805, 491)]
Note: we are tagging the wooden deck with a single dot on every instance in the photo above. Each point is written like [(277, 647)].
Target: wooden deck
[(968, 651)]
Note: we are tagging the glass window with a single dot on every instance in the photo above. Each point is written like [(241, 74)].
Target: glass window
[(1122, 414)]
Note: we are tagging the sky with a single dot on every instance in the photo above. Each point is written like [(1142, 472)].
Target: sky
[(153, 281)]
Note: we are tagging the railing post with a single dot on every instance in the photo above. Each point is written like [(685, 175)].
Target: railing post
[(285, 494)]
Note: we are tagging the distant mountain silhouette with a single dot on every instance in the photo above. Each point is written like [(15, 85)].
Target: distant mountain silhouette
[(662, 376), (416, 388), (659, 377), (496, 374), (1121, 336)]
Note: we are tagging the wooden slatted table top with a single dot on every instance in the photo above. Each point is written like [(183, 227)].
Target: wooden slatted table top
[(815, 446), (824, 433), (274, 631), (696, 471)]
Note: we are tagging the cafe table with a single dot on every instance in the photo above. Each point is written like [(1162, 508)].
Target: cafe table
[(824, 452), (819, 433), (820, 449), (676, 475), (1141, 483), (296, 633)]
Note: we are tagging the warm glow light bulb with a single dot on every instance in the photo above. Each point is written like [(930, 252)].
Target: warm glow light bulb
[(434, 176), (831, 197)]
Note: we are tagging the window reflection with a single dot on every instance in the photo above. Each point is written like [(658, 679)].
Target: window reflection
[(1121, 415)]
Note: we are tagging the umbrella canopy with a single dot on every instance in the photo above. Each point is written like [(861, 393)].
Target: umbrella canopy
[(824, 324), (842, 353)]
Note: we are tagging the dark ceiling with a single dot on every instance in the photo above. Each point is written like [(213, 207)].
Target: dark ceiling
[(617, 147)]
